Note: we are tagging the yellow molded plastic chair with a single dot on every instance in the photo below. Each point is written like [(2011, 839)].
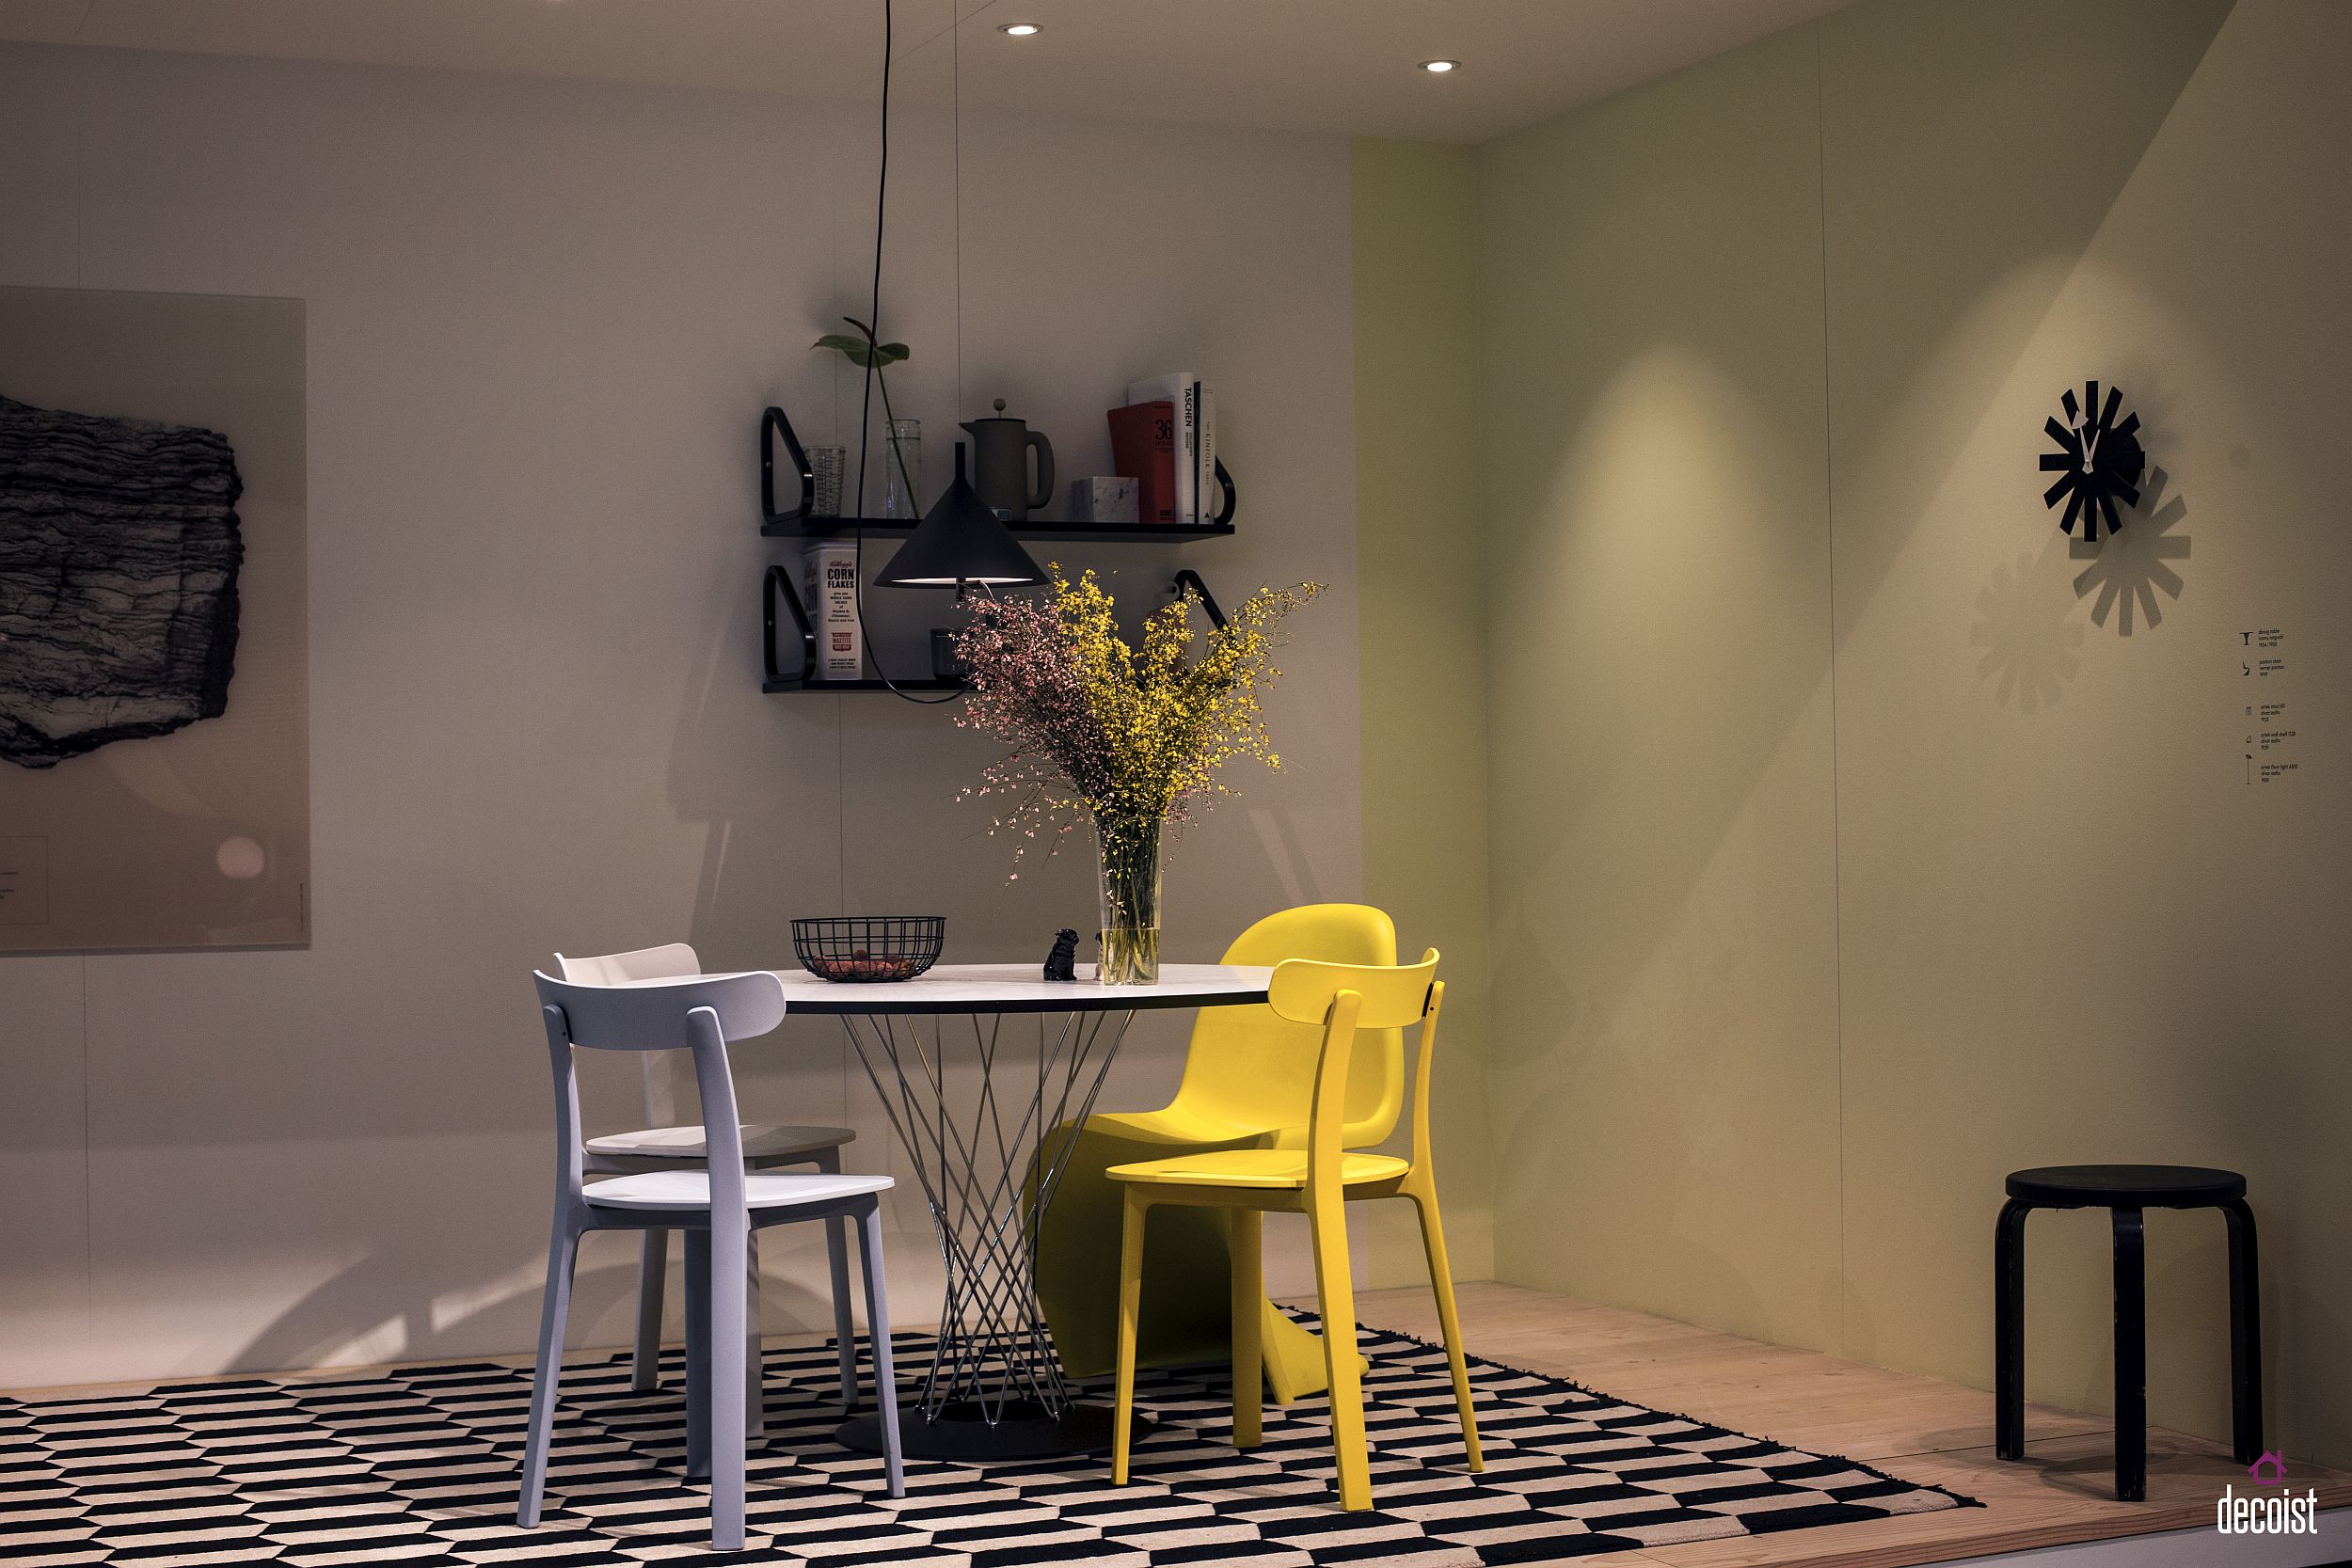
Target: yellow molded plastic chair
[(1318, 1180), (1246, 1086)]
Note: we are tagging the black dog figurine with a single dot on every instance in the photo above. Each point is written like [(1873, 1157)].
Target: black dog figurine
[(1062, 962)]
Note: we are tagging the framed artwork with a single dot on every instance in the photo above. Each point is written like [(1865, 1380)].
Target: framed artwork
[(154, 743)]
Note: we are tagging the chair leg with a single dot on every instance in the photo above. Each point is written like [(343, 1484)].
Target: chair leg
[(730, 1254), (2246, 1334), (554, 1307), (755, 1354), (837, 1255), (1441, 1285), (1248, 1297), (2009, 1331), (1133, 1215), (653, 1267), (878, 1325), (698, 1353), (1336, 1297), (2131, 1358)]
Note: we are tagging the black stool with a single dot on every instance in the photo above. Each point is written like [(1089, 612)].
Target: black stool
[(2126, 1190)]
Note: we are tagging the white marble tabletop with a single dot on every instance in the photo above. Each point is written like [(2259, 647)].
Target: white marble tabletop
[(1019, 989)]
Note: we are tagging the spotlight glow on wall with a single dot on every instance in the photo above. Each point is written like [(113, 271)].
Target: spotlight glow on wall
[(1438, 67), (1019, 29)]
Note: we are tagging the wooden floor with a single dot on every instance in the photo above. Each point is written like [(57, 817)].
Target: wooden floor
[(1917, 1428)]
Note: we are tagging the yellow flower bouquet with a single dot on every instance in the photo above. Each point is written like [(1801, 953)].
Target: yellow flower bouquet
[(1130, 740)]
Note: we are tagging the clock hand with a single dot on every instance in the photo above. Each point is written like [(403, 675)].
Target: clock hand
[(2090, 444)]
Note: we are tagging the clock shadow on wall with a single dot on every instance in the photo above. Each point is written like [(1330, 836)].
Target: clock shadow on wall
[(2133, 566), (2028, 637)]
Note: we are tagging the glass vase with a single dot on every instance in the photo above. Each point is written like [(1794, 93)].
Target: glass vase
[(1131, 900), (902, 472)]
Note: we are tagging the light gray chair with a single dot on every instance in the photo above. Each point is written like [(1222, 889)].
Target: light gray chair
[(663, 1146), (718, 1205)]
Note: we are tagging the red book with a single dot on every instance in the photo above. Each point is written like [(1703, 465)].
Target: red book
[(1143, 448)]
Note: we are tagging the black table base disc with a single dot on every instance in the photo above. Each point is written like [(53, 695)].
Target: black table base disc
[(1024, 1432)]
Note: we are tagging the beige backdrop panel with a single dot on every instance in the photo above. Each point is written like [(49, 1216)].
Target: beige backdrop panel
[(1665, 1042), (127, 841), (1425, 665)]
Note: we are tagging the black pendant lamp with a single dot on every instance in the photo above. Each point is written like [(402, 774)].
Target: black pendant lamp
[(961, 543)]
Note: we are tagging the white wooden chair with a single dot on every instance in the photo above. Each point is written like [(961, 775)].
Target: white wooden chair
[(661, 1146), (719, 1204)]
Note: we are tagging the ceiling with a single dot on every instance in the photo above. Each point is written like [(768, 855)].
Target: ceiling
[(1344, 66)]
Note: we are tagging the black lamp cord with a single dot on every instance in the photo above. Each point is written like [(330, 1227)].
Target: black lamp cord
[(865, 404)]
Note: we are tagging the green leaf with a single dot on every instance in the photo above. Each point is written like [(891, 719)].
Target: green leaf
[(856, 351)]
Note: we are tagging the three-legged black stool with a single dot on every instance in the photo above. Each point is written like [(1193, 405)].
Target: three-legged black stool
[(2126, 1190)]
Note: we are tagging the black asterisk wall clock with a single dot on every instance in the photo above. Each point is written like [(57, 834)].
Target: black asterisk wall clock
[(2098, 461)]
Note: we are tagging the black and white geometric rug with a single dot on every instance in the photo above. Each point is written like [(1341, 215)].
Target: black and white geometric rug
[(418, 1466)]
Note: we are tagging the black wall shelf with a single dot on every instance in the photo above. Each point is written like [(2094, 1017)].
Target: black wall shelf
[(1076, 533), (777, 589), (775, 688)]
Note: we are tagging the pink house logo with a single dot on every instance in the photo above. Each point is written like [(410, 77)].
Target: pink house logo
[(2275, 1464)]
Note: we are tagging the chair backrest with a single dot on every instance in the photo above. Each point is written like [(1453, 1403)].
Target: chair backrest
[(697, 1014), (1344, 998), (669, 961), (1249, 1068)]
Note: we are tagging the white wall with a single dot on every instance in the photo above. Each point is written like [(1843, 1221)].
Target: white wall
[(543, 318)]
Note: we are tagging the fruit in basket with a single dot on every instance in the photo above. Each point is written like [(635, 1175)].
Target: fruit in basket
[(865, 947)]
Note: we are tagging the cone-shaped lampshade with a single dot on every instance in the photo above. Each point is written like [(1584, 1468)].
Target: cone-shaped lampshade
[(961, 541)]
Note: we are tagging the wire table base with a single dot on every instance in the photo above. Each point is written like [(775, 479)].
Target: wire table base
[(1022, 1056), (988, 1171)]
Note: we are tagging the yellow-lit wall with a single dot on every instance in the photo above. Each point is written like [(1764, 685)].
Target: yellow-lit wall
[(1418, 581), (1852, 838)]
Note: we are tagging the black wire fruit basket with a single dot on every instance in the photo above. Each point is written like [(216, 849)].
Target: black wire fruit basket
[(865, 947)]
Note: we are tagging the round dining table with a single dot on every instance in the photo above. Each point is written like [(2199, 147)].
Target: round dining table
[(976, 1065)]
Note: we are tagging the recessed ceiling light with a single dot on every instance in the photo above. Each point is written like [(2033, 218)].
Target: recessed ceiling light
[(1438, 67), (1019, 29)]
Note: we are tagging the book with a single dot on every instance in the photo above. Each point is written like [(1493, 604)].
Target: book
[(1182, 391), (1143, 448), (1205, 487), (829, 567)]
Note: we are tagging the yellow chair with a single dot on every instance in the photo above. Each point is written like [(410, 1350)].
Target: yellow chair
[(1246, 1086), (1318, 1181)]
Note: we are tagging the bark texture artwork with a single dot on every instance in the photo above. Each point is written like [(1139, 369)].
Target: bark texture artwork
[(118, 557)]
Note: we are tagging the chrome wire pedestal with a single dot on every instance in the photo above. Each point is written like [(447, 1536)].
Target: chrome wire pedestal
[(995, 1387)]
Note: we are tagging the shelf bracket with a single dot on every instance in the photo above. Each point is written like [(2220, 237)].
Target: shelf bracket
[(772, 424), (781, 577), (1225, 483), (1190, 579)]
